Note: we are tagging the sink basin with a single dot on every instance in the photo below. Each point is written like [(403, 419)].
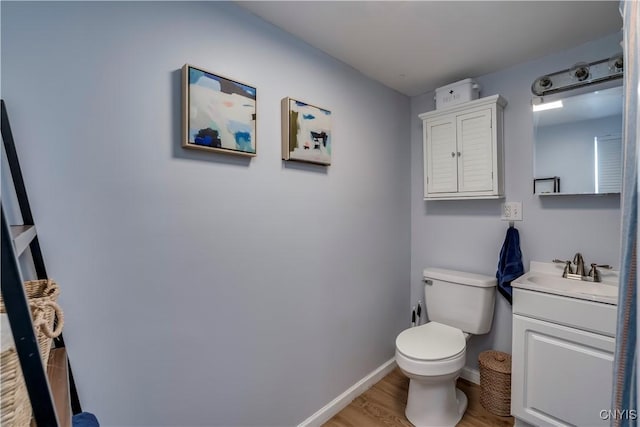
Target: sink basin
[(606, 292)]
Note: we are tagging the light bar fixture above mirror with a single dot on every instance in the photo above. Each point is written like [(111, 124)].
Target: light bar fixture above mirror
[(548, 106), (581, 74)]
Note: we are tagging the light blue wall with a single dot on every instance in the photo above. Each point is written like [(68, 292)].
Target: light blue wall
[(468, 235), (201, 289)]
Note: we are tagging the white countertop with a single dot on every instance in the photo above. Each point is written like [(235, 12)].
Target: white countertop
[(547, 277)]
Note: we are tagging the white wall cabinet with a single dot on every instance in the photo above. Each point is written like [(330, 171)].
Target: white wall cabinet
[(562, 367), (463, 150)]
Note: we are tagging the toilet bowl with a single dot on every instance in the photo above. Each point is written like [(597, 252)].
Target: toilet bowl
[(433, 355)]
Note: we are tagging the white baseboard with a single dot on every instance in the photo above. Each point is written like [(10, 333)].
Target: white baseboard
[(519, 423), (472, 375), (342, 401)]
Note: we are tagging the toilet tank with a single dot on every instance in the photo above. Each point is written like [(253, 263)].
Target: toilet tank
[(459, 299)]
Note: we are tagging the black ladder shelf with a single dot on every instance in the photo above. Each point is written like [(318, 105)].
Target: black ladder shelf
[(15, 240)]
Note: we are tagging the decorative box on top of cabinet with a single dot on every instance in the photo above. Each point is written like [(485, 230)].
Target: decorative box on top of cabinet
[(464, 151)]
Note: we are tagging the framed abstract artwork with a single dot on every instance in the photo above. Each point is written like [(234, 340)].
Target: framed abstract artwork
[(218, 114), (306, 132)]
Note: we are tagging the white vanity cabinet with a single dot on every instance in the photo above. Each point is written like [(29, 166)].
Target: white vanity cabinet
[(562, 362), (463, 150)]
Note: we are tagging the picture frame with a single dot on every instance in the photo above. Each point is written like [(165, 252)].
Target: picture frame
[(306, 132), (546, 185), (218, 114)]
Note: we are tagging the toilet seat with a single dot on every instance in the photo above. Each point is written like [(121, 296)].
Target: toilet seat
[(432, 349), (432, 341)]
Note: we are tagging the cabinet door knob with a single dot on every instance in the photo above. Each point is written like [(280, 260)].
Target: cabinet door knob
[(453, 154), (459, 154)]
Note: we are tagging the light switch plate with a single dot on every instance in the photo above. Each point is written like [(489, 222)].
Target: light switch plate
[(512, 211)]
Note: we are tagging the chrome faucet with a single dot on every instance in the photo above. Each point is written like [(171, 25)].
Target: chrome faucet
[(579, 262), (594, 273), (592, 276), (567, 267)]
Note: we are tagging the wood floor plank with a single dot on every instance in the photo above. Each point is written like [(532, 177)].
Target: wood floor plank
[(59, 382), (476, 415), (383, 406)]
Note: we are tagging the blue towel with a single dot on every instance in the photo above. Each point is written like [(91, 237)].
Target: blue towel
[(85, 419), (510, 263)]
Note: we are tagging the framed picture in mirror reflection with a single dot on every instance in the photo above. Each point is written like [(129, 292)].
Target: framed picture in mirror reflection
[(546, 185)]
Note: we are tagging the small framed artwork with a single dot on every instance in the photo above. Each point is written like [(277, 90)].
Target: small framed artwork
[(306, 132), (546, 185), (218, 114)]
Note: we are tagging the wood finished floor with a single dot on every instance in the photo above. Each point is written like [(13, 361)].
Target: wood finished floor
[(383, 406)]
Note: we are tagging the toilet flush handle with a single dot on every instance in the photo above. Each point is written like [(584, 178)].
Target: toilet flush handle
[(428, 281)]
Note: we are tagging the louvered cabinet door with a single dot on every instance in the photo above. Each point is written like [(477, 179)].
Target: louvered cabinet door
[(440, 157), (475, 151)]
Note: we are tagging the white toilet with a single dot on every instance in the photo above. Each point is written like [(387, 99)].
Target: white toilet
[(432, 355)]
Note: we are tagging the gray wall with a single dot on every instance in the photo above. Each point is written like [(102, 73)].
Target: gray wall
[(468, 235), (201, 289)]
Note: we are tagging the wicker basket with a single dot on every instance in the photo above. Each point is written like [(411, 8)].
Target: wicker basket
[(42, 296), (15, 410), (495, 382)]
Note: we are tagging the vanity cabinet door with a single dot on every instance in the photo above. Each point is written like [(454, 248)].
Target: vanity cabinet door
[(560, 375)]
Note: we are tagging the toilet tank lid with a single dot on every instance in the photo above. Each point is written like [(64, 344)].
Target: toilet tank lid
[(464, 278)]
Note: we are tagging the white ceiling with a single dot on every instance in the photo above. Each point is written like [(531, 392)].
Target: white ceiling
[(415, 47)]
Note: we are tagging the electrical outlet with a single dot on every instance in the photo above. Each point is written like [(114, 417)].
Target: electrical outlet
[(512, 211)]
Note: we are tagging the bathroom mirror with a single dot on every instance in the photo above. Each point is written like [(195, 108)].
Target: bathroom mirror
[(578, 143)]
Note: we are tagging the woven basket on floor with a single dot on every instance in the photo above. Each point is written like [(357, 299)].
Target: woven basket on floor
[(15, 408), (495, 382)]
